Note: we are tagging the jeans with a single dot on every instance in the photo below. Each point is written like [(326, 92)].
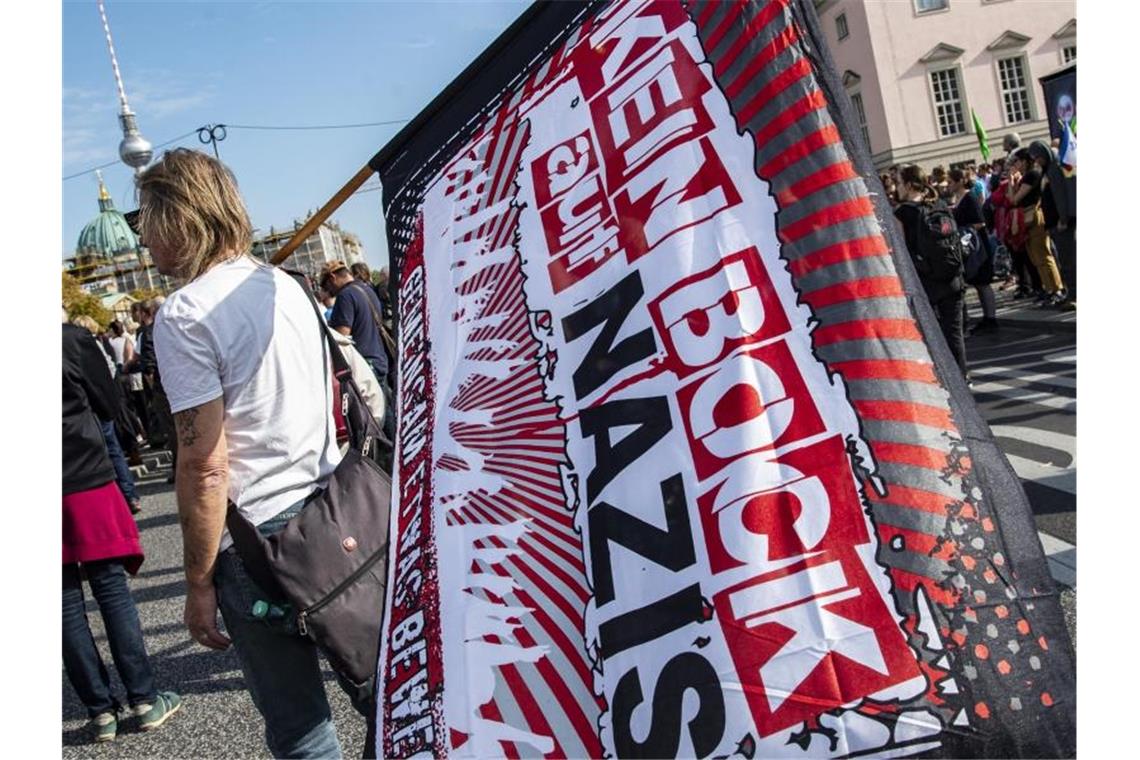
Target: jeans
[(81, 660), (952, 321), (123, 475), (281, 667), (138, 406)]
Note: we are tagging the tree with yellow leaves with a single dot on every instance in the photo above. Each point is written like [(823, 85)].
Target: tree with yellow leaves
[(77, 301)]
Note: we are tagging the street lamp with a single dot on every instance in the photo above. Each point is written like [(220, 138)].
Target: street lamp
[(135, 150)]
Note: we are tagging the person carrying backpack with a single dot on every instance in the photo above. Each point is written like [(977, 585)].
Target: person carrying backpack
[(935, 246), (979, 264)]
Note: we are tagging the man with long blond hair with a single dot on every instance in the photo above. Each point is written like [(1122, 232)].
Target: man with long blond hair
[(244, 366)]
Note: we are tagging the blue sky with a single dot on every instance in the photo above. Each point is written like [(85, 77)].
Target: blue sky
[(186, 64)]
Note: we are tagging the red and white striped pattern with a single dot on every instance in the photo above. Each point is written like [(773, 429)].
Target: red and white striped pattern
[(936, 531), (524, 445)]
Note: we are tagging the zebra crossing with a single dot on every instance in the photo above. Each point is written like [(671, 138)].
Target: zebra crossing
[(1025, 384)]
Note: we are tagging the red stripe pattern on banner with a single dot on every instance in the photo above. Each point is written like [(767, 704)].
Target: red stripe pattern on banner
[(841, 264), (847, 250), (547, 566)]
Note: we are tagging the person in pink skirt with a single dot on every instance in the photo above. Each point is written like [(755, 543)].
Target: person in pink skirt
[(101, 544)]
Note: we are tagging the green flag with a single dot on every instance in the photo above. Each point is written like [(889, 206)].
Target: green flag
[(983, 144)]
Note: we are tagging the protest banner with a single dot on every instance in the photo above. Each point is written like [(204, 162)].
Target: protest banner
[(684, 466)]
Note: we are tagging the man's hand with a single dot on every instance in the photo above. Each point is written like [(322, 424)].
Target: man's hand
[(201, 486), (201, 617)]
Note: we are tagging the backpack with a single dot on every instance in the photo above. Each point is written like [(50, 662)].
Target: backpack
[(976, 255), (939, 255)]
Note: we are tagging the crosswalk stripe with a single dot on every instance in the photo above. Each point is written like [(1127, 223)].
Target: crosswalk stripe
[(1035, 356), (1008, 309), (1031, 377), (1066, 357), (1062, 557), (1054, 440), (1062, 479), (1040, 398)]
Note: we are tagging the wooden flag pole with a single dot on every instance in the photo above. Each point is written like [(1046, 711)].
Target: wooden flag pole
[(317, 219)]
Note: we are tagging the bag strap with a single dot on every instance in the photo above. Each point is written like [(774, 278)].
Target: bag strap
[(343, 373), (389, 344), (340, 364), (251, 546)]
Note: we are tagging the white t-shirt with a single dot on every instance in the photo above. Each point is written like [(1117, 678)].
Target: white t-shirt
[(135, 378), (118, 345), (247, 332)]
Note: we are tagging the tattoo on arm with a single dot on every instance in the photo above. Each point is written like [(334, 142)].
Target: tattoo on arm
[(184, 422)]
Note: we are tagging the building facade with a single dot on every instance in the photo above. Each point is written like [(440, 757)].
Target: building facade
[(915, 69), (353, 248), (328, 243), (108, 257)]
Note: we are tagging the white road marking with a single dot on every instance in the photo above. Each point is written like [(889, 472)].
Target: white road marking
[(1042, 474), (1062, 558), (1054, 440), (1009, 373), (1066, 357), (1040, 398)]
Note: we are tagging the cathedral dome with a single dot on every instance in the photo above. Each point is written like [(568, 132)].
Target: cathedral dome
[(108, 234)]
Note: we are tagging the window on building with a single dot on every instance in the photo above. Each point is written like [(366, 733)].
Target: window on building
[(926, 6), (1068, 54), (947, 102), (1014, 92), (841, 26), (857, 101)]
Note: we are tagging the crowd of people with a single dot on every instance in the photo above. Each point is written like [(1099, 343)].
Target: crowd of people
[(223, 373), (100, 539), (140, 415), (1009, 223), (230, 373)]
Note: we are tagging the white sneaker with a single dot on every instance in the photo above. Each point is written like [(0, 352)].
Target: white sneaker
[(106, 725)]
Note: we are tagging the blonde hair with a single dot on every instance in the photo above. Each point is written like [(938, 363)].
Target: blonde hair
[(191, 203), (86, 322)]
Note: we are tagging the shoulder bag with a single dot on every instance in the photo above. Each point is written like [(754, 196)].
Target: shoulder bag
[(330, 560)]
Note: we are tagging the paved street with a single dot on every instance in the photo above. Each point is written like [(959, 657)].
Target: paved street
[(1025, 385), (218, 718)]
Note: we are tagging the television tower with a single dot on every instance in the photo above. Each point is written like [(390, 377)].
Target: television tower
[(135, 150)]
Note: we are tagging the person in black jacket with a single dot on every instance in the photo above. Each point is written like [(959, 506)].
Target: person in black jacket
[(115, 450), (968, 216), (101, 543), (947, 296)]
